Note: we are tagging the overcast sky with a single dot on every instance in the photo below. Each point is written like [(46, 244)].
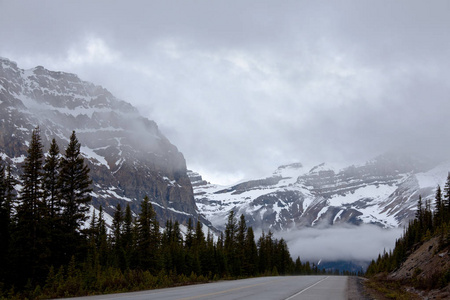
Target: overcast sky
[(241, 87)]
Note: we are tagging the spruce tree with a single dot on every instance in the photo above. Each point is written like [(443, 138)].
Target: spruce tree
[(52, 199), (127, 237), (32, 192), (30, 241), (102, 239), (199, 249), (230, 243), (11, 192), (188, 243), (117, 241), (446, 199), (52, 192), (439, 208), (148, 239), (75, 185), (240, 246), (250, 263), (5, 219), (177, 248)]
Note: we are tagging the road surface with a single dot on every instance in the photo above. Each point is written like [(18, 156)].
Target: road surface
[(264, 288)]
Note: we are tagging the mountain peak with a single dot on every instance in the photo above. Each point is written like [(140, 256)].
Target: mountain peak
[(384, 191), (128, 156)]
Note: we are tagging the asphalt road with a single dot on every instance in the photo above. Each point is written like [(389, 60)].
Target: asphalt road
[(264, 288)]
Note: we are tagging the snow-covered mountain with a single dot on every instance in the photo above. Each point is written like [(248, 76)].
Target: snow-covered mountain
[(127, 154), (383, 191)]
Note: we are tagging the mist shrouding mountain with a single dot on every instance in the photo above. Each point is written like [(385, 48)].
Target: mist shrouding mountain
[(128, 156), (325, 212), (242, 88)]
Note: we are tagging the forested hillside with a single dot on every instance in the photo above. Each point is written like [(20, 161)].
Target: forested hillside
[(421, 257)]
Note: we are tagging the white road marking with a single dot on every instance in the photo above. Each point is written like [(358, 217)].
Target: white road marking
[(295, 295)]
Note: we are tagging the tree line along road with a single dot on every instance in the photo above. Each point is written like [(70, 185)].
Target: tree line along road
[(262, 288)]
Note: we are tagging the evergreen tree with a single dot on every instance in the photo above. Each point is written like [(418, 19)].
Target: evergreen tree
[(419, 211), (240, 246), (221, 256), (148, 243), (250, 263), (10, 192), (210, 259), (52, 192), (199, 250), (127, 237), (75, 185), (102, 238), (177, 249), (230, 244), (439, 208), (92, 257), (30, 240), (52, 199), (446, 199), (5, 226), (298, 269), (117, 239), (189, 235), (284, 261), (188, 243)]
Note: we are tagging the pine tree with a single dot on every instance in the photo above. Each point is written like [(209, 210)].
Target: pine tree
[(250, 263), (446, 200), (220, 257), (210, 259), (102, 239), (51, 187), (199, 249), (32, 192), (5, 226), (30, 241), (11, 193), (240, 246), (148, 239), (439, 208), (117, 241), (52, 200), (230, 243), (419, 211), (177, 248), (189, 235), (75, 186), (127, 237)]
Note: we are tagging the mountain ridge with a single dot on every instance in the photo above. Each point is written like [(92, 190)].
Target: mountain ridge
[(383, 191), (128, 155)]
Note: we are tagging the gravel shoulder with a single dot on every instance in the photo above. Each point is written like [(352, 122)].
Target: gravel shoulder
[(356, 289)]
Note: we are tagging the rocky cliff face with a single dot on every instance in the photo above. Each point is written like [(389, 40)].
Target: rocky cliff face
[(127, 154), (384, 191)]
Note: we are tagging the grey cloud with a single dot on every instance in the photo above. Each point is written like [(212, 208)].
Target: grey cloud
[(242, 87)]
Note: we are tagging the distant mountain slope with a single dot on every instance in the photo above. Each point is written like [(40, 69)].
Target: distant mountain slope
[(127, 154), (384, 191)]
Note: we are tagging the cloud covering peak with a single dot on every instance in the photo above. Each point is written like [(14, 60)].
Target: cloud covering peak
[(242, 87)]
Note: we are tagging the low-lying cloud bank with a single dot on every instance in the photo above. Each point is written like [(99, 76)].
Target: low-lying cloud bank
[(355, 243)]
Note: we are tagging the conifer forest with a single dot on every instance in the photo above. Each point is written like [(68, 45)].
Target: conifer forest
[(428, 223), (52, 246)]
